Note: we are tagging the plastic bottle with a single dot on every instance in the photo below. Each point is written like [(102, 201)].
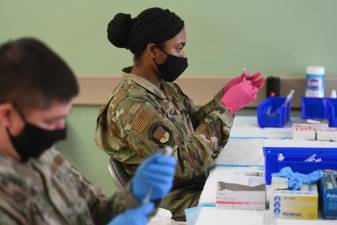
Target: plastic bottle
[(315, 77)]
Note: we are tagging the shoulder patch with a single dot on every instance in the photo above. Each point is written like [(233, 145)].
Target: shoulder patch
[(160, 134), (134, 108), (142, 120), (57, 162)]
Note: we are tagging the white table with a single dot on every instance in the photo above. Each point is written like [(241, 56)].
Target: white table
[(242, 152)]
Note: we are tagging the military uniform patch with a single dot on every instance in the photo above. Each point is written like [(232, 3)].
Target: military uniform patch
[(143, 119), (57, 162), (160, 134), (134, 108)]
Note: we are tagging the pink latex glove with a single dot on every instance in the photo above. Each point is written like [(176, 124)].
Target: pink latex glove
[(235, 80), (239, 95), (256, 79)]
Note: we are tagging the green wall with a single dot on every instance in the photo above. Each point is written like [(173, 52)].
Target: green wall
[(272, 36), (81, 150)]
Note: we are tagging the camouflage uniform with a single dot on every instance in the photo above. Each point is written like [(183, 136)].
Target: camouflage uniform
[(141, 118), (50, 191)]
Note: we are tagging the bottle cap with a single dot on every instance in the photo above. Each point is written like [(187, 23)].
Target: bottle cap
[(317, 70)]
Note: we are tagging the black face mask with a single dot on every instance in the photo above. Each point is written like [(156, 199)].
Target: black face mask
[(172, 68), (33, 140)]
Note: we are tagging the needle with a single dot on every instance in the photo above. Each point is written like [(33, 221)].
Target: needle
[(168, 152)]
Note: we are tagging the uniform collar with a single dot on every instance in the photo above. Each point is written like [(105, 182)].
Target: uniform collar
[(7, 163), (144, 83)]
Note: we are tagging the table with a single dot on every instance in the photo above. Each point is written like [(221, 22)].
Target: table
[(242, 152)]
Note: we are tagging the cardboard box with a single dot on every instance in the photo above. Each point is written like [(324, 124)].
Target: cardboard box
[(242, 192), (292, 204), (328, 195), (307, 130), (327, 134)]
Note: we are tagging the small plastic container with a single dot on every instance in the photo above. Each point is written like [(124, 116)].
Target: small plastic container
[(297, 159), (273, 112), (332, 111), (315, 81), (314, 108)]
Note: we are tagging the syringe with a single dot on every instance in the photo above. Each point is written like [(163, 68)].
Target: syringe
[(288, 99), (168, 151), (244, 71)]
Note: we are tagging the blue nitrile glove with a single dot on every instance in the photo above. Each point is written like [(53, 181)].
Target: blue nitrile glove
[(295, 180), (137, 216), (155, 173)]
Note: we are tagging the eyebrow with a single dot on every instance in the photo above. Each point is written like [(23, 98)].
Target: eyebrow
[(181, 43)]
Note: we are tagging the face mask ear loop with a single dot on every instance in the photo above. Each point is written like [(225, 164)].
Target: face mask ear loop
[(22, 117), (21, 114), (163, 51), (9, 133), (154, 60)]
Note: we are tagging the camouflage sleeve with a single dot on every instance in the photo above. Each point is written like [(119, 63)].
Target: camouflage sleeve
[(11, 212), (6, 219), (104, 208), (145, 130), (198, 114)]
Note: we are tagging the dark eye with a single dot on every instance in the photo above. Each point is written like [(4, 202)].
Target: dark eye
[(49, 122)]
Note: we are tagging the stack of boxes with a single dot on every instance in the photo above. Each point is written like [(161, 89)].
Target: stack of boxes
[(303, 157)]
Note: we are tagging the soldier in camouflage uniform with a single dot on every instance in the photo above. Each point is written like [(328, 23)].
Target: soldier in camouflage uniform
[(37, 186), (148, 111)]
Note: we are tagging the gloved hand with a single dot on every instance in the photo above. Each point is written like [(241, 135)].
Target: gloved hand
[(239, 95), (137, 216), (256, 79), (295, 180), (155, 173)]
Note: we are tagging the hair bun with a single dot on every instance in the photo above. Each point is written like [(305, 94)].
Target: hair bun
[(118, 29)]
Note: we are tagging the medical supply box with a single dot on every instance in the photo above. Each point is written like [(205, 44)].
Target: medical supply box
[(313, 130), (307, 129), (273, 112), (301, 156), (293, 204), (328, 195), (241, 192)]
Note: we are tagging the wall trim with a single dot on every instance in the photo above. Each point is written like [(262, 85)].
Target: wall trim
[(95, 90)]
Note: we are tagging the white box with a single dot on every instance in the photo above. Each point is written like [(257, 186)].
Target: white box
[(243, 192), (304, 130), (328, 134), (293, 204)]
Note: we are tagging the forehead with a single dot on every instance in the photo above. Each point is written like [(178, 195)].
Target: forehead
[(56, 109), (178, 39)]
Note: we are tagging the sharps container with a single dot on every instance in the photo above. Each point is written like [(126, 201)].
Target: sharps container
[(315, 81)]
